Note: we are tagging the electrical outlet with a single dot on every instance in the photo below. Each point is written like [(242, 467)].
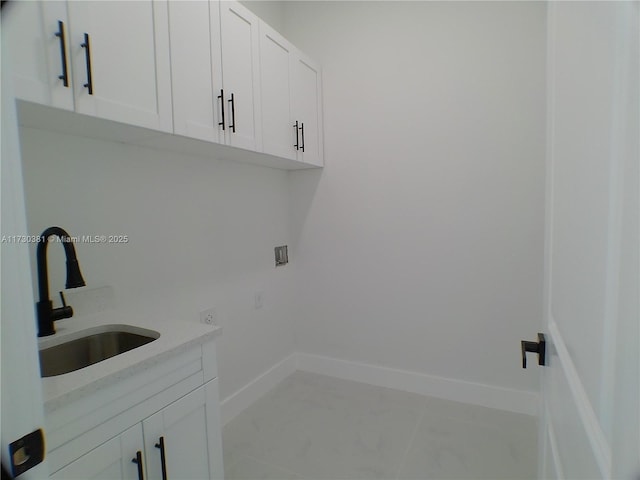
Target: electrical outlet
[(209, 316), (257, 300)]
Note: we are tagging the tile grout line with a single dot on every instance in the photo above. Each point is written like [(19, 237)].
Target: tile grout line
[(413, 437)]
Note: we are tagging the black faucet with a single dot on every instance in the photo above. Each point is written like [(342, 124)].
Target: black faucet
[(45, 311)]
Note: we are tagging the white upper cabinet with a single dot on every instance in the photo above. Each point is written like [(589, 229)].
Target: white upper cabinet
[(39, 32), (120, 58), (240, 75), (201, 69), (215, 71), (291, 100), (307, 109), (278, 129), (101, 58), (196, 71)]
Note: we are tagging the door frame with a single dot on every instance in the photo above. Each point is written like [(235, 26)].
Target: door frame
[(22, 406)]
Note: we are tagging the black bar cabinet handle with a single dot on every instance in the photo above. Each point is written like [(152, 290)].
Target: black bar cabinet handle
[(163, 458), (302, 129), (221, 97), (63, 54), (87, 55), (138, 461), (297, 145), (233, 114)]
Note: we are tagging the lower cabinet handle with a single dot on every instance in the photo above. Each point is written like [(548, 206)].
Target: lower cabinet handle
[(138, 461), (163, 458)]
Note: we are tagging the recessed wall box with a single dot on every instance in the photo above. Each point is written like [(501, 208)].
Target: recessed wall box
[(282, 256)]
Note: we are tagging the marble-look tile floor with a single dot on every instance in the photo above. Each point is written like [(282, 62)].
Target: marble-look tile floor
[(322, 428)]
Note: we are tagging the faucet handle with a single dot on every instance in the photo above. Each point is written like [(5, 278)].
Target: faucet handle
[(64, 311)]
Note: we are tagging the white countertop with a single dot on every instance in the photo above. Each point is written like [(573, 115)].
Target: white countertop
[(175, 337)]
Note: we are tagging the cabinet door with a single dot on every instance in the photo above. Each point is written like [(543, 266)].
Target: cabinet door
[(240, 75), (110, 461), (126, 63), (196, 71), (278, 129), (307, 108), (39, 33), (188, 433)]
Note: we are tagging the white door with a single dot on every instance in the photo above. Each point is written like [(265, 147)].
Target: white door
[(240, 75), (590, 408), (184, 438), (113, 460), (121, 66), (307, 108)]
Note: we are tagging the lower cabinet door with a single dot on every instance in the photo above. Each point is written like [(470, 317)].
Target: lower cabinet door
[(182, 441), (113, 460)]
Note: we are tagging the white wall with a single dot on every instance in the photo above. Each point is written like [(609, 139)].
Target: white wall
[(420, 244), (201, 232)]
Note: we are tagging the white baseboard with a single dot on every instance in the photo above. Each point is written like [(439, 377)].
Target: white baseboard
[(511, 400), (518, 401), (238, 401)]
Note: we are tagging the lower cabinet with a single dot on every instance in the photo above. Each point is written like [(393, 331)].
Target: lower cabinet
[(181, 441), (111, 460)]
